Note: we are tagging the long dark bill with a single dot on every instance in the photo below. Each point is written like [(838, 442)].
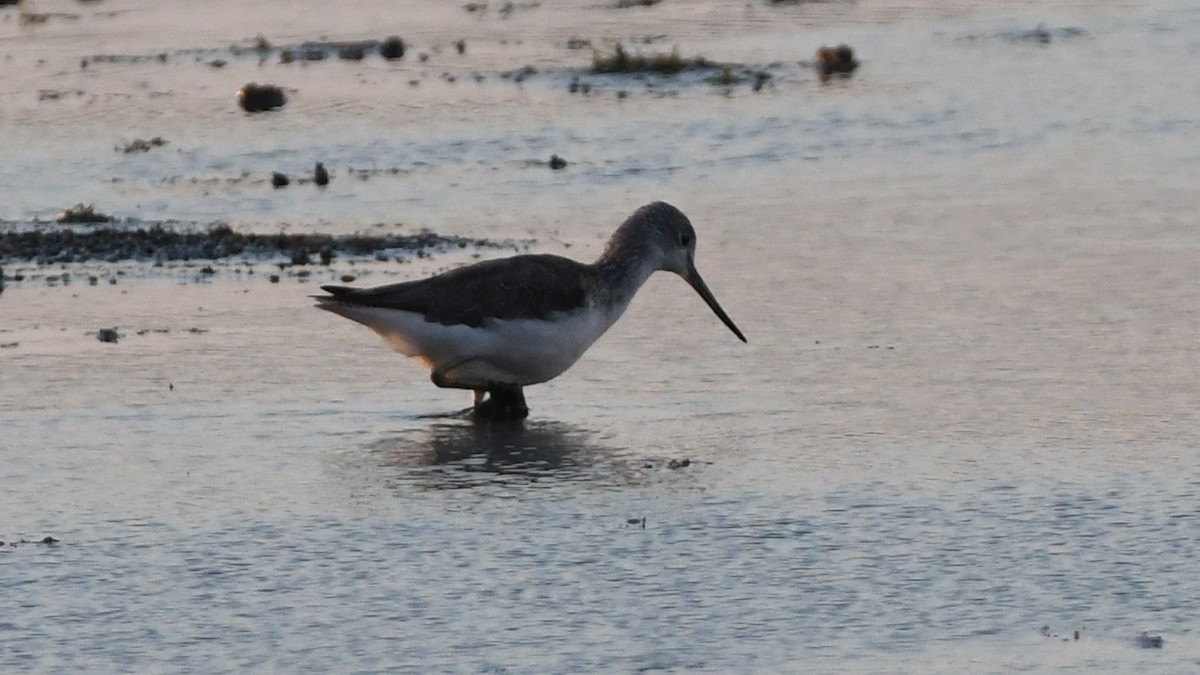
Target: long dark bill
[(697, 283)]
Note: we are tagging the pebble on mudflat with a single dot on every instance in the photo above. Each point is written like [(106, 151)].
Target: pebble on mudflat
[(259, 97)]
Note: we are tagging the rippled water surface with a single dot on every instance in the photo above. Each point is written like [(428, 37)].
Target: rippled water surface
[(964, 430)]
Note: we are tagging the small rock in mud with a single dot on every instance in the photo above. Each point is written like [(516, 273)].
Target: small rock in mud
[(279, 180), (83, 214), (49, 541), (108, 335), (259, 97), (347, 278), (274, 278), (320, 175), (461, 46), (679, 463), (557, 162), (392, 48), (837, 60)]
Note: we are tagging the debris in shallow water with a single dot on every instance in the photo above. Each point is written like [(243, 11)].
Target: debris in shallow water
[(679, 463), (108, 335), (142, 145), (557, 162), (392, 48), (279, 180), (837, 60), (621, 61), (83, 214), (1147, 641), (274, 278), (352, 52), (259, 97), (1040, 35), (725, 78), (320, 175), (520, 74), (49, 541), (577, 87)]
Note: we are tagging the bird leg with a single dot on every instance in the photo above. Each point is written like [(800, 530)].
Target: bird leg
[(505, 403)]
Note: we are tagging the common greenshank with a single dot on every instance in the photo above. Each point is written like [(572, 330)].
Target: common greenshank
[(497, 326)]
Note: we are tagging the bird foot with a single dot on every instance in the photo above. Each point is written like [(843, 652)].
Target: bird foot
[(503, 404)]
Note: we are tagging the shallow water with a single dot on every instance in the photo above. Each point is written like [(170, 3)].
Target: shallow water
[(967, 409)]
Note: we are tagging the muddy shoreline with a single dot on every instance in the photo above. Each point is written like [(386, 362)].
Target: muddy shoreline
[(54, 254)]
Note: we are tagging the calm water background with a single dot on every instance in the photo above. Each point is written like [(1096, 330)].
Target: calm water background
[(968, 409)]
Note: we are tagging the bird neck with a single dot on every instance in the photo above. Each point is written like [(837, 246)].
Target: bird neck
[(622, 269)]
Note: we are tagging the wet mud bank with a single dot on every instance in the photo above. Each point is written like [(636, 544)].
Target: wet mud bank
[(160, 242), (26, 250)]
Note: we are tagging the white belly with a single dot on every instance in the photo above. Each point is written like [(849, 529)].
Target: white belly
[(516, 351)]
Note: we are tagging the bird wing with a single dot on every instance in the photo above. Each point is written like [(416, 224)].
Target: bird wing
[(519, 287)]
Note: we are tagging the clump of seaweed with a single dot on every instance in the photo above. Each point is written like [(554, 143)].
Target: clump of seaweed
[(621, 61), (725, 78), (142, 145), (81, 213)]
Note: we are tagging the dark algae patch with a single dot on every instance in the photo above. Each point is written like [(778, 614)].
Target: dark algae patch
[(623, 61), (159, 243), (663, 66)]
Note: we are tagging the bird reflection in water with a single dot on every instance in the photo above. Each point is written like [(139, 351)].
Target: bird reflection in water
[(463, 455)]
